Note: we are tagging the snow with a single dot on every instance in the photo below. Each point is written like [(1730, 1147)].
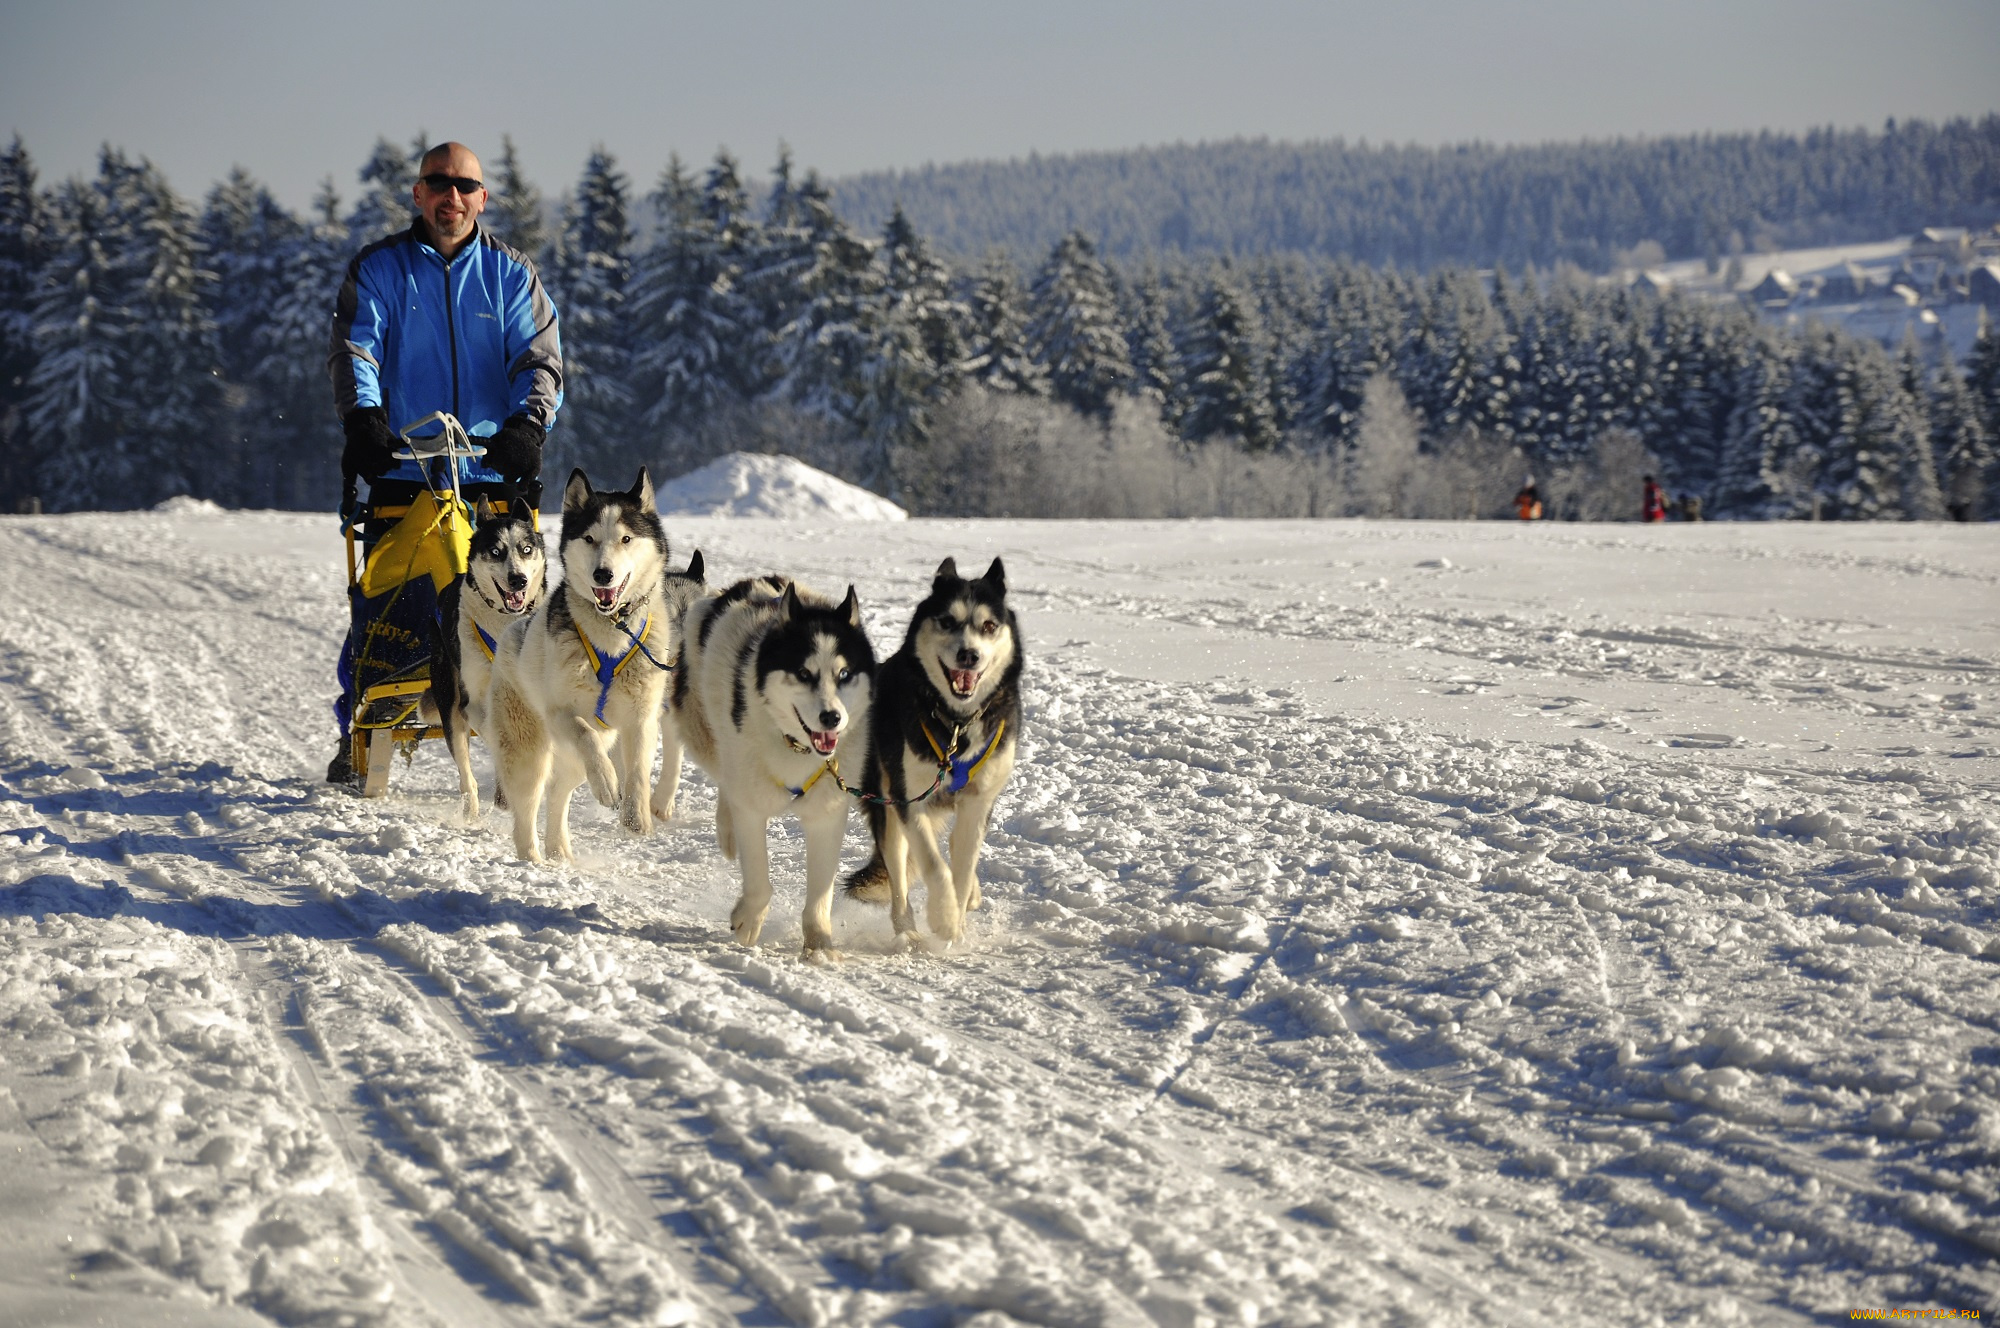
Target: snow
[(755, 485), (1388, 922)]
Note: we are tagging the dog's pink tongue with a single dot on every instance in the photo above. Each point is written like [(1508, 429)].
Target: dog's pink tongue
[(964, 680), (824, 743), (606, 595)]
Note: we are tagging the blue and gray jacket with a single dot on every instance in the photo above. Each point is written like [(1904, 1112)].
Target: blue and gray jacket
[(476, 336)]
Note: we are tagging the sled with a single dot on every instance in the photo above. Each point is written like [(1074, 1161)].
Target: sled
[(399, 558)]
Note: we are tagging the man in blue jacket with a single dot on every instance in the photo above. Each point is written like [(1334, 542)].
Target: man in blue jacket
[(441, 316)]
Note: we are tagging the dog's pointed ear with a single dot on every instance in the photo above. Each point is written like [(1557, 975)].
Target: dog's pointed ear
[(577, 492), (642, 491), (697, 570), (788, 603), (851, 606), (996, 576), (483, 511), (947, 571)]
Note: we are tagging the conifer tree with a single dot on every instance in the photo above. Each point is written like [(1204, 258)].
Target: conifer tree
[(124, 394), (592, 271), (24, 246), (1224, 367), (684, 336), (919, 349), (823, 353), (1959, 444), (1073, 326), (997, 353), (1155, 361), (297, 426), (1982, 381), (248, 239), (774, 260), (385, 205), (514, 212), (1757, 438)]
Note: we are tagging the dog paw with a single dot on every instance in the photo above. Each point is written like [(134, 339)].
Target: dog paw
[(973, 899), (821, 952), (746, 926)]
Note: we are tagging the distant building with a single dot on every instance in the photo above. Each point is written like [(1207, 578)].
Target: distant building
[(1949, 245), (1652, 283), (1923, 273), (1982, 286), (1849, 281), (1777, 287)]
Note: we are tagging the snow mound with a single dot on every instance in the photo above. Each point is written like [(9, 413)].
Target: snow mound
[(753, 485), (183, 505)]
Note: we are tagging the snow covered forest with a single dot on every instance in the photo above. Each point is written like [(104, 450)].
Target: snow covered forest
[(1476, 204), (150, 349)]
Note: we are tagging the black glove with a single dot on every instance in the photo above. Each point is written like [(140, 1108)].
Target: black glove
[(516, 450), (371, 443)]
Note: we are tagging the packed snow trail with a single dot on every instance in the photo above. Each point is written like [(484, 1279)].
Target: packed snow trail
[(1480, 924)]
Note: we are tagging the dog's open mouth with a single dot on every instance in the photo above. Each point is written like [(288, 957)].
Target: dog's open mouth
[(823, 740), (514, 601), (963, 681), (608, 596)]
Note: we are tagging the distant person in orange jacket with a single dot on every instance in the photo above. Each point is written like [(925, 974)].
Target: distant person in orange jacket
[(1655, 502), (1528, 503)]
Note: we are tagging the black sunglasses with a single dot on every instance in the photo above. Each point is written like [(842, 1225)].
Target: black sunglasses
[(437, 184)]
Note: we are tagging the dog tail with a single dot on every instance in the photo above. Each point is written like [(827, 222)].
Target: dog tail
[(869, 883)]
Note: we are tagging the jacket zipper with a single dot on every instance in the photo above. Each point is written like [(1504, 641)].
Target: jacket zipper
[(451, 336)]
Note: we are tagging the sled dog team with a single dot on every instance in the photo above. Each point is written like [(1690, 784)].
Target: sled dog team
[(774, 690)]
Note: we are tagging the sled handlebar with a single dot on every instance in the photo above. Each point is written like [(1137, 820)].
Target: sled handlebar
[(452, 441)]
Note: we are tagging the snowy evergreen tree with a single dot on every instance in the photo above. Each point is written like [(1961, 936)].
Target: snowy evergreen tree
[(514, 208), (295, 422), (123, 397), (774, 260), (1878, 455), (1382, 465), (1959, 445), (248, 239), (385, 205), (593, 269), (1073, 327), (687, 316), (1982, 381), (997, 354), (917, 357), (1149, 334), (1757, 438), (23, 250), (1224, 366), (824, 352), (1451, 362), (1358, 334)]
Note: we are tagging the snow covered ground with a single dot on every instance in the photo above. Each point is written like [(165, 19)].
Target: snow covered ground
[(1389, 923)]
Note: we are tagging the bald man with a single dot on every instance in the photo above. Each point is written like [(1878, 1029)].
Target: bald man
[(441, 316)]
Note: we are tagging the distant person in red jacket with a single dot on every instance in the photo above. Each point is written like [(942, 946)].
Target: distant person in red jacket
[(1528, 502), (1655, 503)]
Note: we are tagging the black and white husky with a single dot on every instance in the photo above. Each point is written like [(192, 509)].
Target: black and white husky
[(943, 729), (577, 687), (505, 575), (773, 691)]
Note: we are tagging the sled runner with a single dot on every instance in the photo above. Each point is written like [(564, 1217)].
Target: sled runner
[(400, 555)]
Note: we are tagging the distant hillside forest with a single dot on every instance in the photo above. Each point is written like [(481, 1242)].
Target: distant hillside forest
[(1474, 204), (151, 348)]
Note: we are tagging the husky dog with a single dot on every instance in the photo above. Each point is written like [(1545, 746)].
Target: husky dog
[(680, 591), (504, 579), (773, 690), (577, 686), (943, 728)]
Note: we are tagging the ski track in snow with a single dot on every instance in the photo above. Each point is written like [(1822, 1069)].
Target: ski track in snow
[(1486, 991)]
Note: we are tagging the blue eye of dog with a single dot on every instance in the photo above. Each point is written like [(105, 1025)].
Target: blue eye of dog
[(846, 676)]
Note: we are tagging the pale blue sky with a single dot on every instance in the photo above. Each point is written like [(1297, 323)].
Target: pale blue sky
[(295, 92)]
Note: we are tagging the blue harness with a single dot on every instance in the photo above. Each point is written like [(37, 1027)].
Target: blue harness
[(963, 768), (608, 667)]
